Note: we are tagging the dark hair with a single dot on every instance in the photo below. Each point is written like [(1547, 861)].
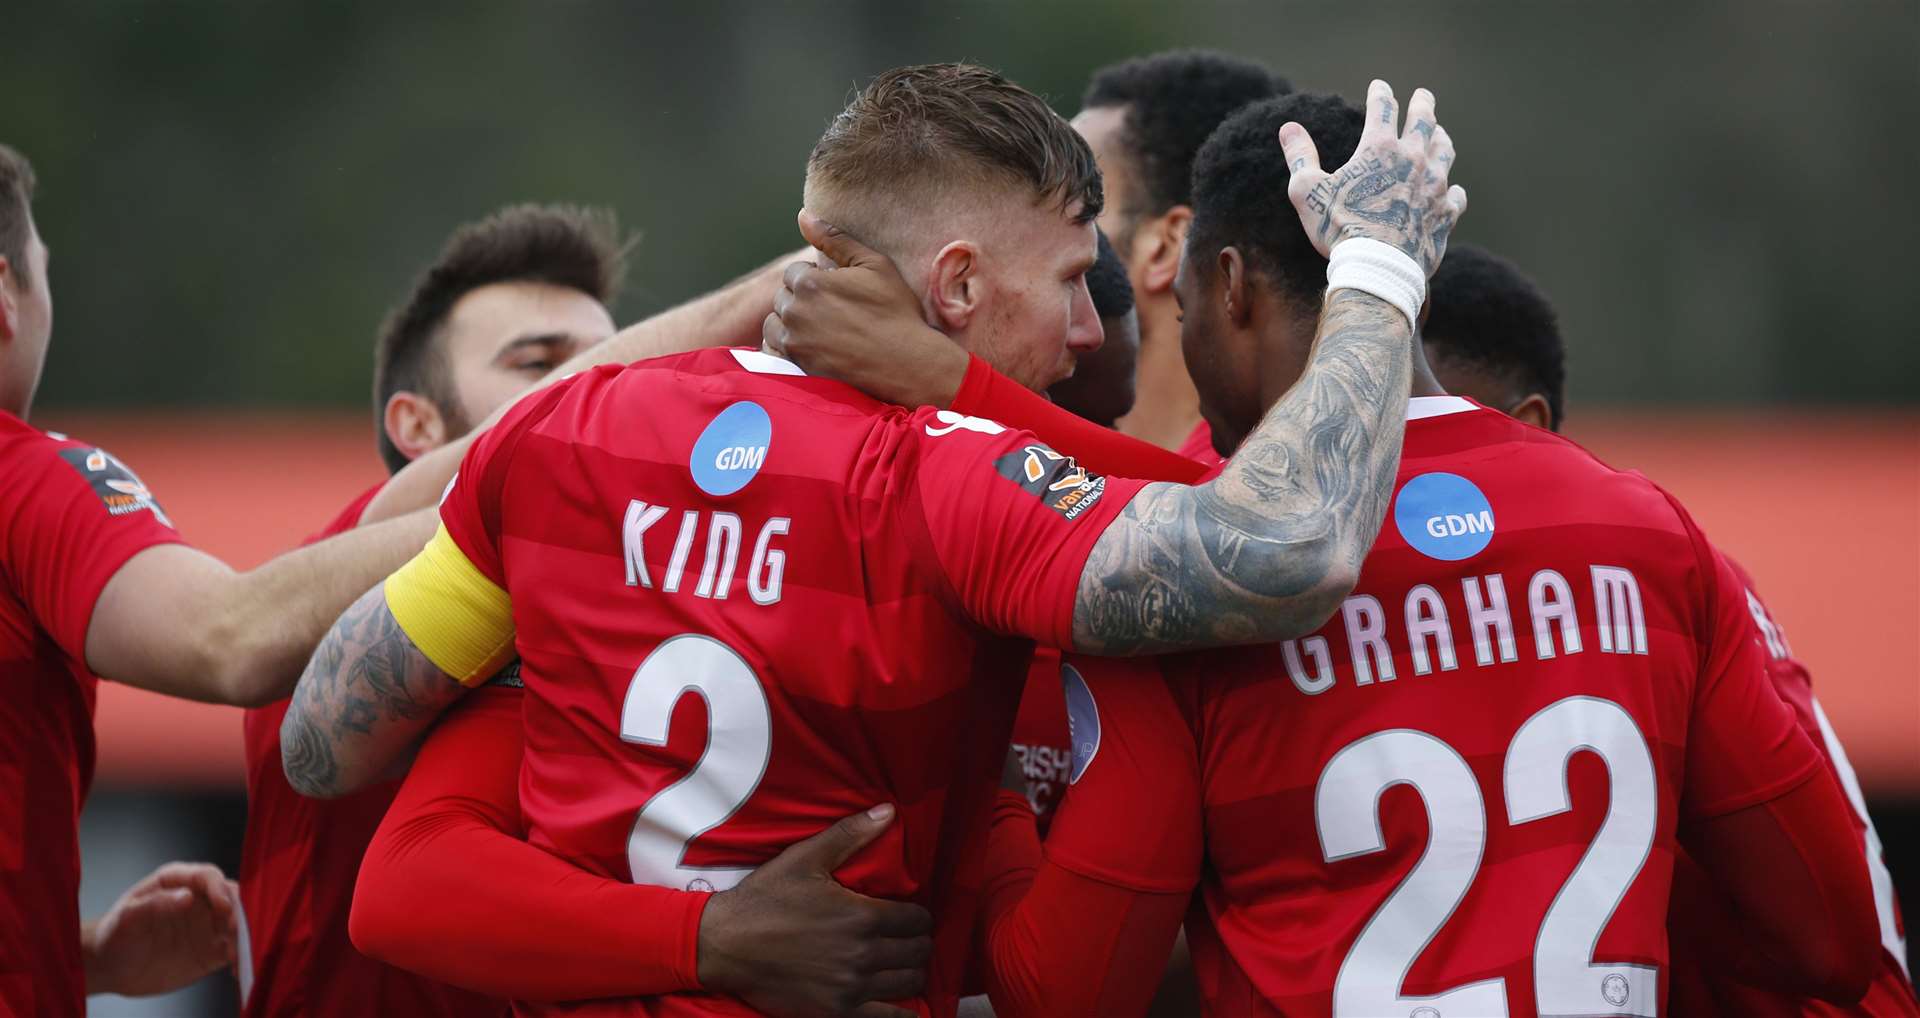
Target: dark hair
[(1107, 282), (1240, 188), (16, 211), (1483, 311), (915, 130), (578, 248), (1174, 100)]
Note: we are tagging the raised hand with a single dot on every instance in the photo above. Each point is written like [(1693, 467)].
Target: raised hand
[(167, 931), (857, 320), (791, 941), (1394, 189)]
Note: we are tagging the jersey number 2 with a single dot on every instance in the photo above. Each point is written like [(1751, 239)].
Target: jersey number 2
[(739, 741), (1566, 980)]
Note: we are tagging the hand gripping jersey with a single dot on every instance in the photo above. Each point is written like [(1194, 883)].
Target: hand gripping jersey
[(748, 603), (70, 516), (298, 863), (1701, 985), (1459, 797)]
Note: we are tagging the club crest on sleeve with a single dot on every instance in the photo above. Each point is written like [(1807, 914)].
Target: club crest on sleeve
[(1083, 721), (732, 449), (1065, 486), (1444, 516), (117, 486)]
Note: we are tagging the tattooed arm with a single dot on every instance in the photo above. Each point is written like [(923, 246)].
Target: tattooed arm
[(367, 695), (1267, 550)]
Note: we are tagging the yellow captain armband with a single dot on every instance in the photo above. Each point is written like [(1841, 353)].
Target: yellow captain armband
[(462, 621)]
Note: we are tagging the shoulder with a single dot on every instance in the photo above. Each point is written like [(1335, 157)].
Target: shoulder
[(57, 465)]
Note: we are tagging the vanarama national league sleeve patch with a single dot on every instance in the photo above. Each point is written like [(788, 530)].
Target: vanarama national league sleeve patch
[(1064, 485), (114, 482)]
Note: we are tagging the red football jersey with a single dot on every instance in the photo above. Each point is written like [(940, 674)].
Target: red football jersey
[(749, 602), (1040, 735), (298, 863), (70, 516), (1709, 988), (1459, 796)]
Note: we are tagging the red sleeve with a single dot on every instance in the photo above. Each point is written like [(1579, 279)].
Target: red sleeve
[(448, 889), (986, 393), (1793, 871), (1009, 520), (70, 516), (1105, 898), (1744, 745), (470, 509)]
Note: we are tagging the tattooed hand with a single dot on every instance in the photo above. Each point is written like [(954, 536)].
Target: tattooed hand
[(1394, 189)]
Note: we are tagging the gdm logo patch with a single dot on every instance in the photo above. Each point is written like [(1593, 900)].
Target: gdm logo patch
[(1444, 516), (732, 449), (1083, 721)]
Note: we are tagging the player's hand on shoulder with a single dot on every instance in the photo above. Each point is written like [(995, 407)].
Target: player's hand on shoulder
[(167, 931), (791, 941), (852, 317), (1394, 189)]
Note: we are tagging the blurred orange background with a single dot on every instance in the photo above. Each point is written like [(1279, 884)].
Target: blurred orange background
[(1822, 508)]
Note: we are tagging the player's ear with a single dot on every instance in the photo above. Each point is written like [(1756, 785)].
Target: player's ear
[(954, 286), (414, 424), (9, 303), (1235, 292), (1165, 235), (1533, 410)]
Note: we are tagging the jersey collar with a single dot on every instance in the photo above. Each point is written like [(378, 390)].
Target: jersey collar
[(1422, 407)]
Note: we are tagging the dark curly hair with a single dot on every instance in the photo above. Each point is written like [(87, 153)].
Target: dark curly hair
[(1174, 100), (1240, 189), (1107, 282), (1482, 311), (577, 248)]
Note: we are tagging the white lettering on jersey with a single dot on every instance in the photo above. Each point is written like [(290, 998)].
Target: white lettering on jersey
[(1776, 637), (953, 422), (766, 571), (682, 545), (1550, 599), (1427, 619), (1616, 600), (1488, 619), (769, 566), (723, 551), (633, 532), (1316, 648), (1367, 635)]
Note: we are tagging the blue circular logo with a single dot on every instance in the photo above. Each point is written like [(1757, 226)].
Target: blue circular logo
[(1083, 721), (732, 449), (1444, 516)]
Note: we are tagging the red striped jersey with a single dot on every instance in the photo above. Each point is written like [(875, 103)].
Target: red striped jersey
[(70, 516), (1703, 987), (1459, 796), (298, 863), (749, 602)]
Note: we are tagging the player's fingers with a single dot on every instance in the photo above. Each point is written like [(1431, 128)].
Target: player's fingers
[(896, 918), (825, 851), (1383, 112), (1303, 161), (898, 984), (898, 953), (1440, 156), (773, 335), (797, 273), (1421, 121), (834, 242), (875, 1009), (1457, 200)]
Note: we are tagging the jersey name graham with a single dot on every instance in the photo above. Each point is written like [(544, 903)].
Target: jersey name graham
[(1419, 626)]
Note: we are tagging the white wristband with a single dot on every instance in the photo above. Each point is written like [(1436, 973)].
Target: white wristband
[(1383, 270)]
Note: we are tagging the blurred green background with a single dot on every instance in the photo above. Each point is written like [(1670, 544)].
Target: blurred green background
[(1721, 199)]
